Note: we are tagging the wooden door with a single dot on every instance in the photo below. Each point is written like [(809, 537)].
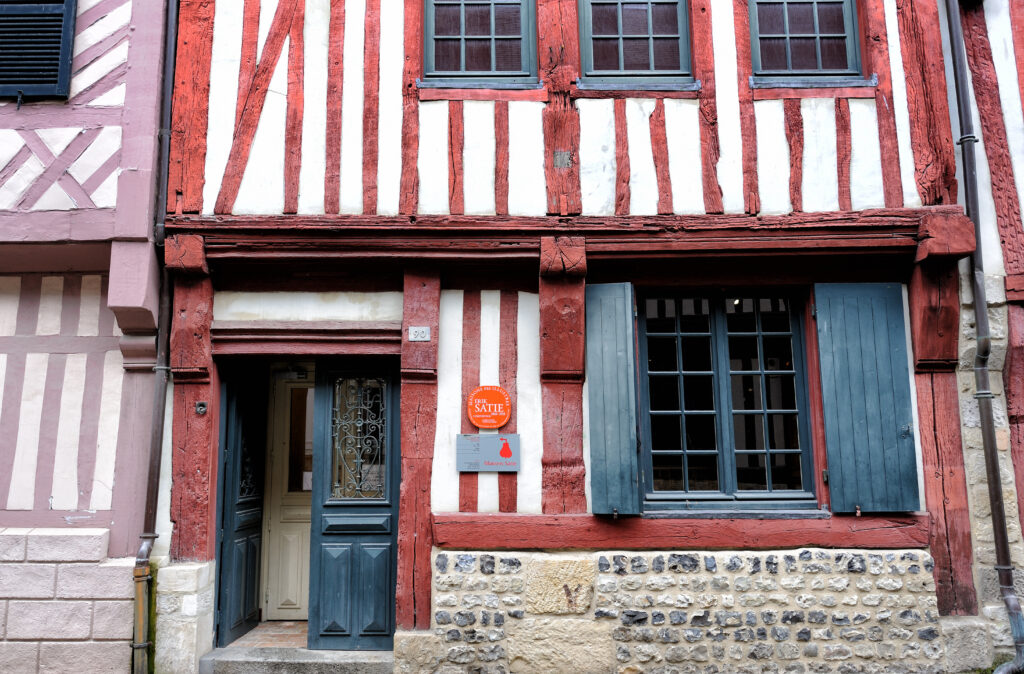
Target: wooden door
[(241, 535), (289, 488), (355, 511)]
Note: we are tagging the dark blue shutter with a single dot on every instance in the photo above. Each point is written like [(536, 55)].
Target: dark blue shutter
[(865, 385), (611, 382), (36, 39)]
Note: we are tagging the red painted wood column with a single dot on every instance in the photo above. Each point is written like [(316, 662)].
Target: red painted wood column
[(194, 438), (422, 306), (563, 267), (934, 326), (1013, 384), (559, 49)]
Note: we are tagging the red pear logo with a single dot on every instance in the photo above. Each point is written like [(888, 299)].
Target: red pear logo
[(506, 451)]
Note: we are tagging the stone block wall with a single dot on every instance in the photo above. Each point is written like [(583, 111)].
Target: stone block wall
[(63, 605), (806, 610), (184, 616)]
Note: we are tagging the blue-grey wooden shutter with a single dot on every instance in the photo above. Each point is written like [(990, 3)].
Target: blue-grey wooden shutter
[(611, 383), (865, 385), (36, 39)]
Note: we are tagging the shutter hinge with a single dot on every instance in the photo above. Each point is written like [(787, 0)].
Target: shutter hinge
[(824, 476)]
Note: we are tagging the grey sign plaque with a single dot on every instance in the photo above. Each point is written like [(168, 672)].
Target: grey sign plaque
[(487, 452)]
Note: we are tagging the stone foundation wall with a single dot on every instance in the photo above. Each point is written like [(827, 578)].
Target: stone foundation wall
[(63, 605), (184, 616), (806, 610)]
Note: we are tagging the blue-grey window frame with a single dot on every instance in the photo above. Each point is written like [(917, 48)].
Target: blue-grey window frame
[(649, 79), (61, 88), (852, 76), (526, 78), (724, 499)]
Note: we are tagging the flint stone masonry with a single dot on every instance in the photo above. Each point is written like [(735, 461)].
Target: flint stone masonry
[(801, 611)]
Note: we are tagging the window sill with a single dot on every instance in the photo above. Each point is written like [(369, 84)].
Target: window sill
[(780, 514), (634, 89), (771, 88), (451, 89)]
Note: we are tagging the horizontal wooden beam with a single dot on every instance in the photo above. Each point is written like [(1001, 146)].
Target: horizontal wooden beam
[(492, 531), (309, 338)]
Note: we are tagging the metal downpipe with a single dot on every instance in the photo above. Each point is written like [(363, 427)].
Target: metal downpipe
[(983, 392), (143, 577)]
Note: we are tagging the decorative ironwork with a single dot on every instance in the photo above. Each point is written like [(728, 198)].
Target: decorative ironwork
[(359, 439), (247, 483)]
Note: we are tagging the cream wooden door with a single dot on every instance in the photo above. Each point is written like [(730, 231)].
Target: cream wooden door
[(288, 494)]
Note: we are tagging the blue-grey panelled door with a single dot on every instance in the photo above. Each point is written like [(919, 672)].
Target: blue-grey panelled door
[(241, 535), (355, 511)]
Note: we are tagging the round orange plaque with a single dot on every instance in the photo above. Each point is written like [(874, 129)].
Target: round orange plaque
[(489, 407)]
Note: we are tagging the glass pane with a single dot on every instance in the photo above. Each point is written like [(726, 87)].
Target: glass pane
[(746, 392), (698, 392), (446, 20), (300, 440), (739, 314), (743, 353), (666, 54), (703, 472), (833, 53), (661, 354), (478, 19), (358, 439), (664, 393), (507, 21), (605, 20), (696, 353), (634, 19), (781, 392), (446, 55), (749, 431), (509, 55), (666, 19), (830, 18), (478, 55), (660, 314), (778, 353), (801, 17), (634, 55), (665, 433), (802, 52), (786, 471), (773, 53), (700, 432), (774, 314), (750, 472), (769, 19), (694, 315), (668, 472), (606, 54), (783, 432)]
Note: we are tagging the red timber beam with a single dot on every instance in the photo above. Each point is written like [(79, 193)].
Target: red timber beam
[(469, 482), (659, 149), (559, 49), (410, 181), (586, 532), (748, 126), (194, 436), (704, 70), (563, 267), (876, 52), (935, 329), (795, 140), (421, 307)]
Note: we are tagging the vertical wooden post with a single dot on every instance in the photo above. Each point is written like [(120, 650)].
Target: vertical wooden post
[(558, 48), (422, 307), (563, 267)]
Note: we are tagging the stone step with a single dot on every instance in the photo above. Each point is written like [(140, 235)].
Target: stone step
[(246, 660)]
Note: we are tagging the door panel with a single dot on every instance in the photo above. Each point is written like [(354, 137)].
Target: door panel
[(355, 503), (242, 442)]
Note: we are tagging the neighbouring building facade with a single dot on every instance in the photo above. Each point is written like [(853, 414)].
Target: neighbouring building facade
[(79, 104), (712, 250)]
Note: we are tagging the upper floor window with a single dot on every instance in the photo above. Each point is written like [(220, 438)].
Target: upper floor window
[(489, 42), (635, 42), (35, 47), (804, 38)]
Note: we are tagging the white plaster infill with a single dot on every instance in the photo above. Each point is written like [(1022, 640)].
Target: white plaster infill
[(307, 306)]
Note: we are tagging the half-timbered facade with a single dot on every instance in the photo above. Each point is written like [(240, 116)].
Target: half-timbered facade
[(709, 248), (79, 103)]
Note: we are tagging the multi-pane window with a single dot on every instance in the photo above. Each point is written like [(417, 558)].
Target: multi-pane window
[(480, 39), (804, 38), (723, 407), (634, 40)]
